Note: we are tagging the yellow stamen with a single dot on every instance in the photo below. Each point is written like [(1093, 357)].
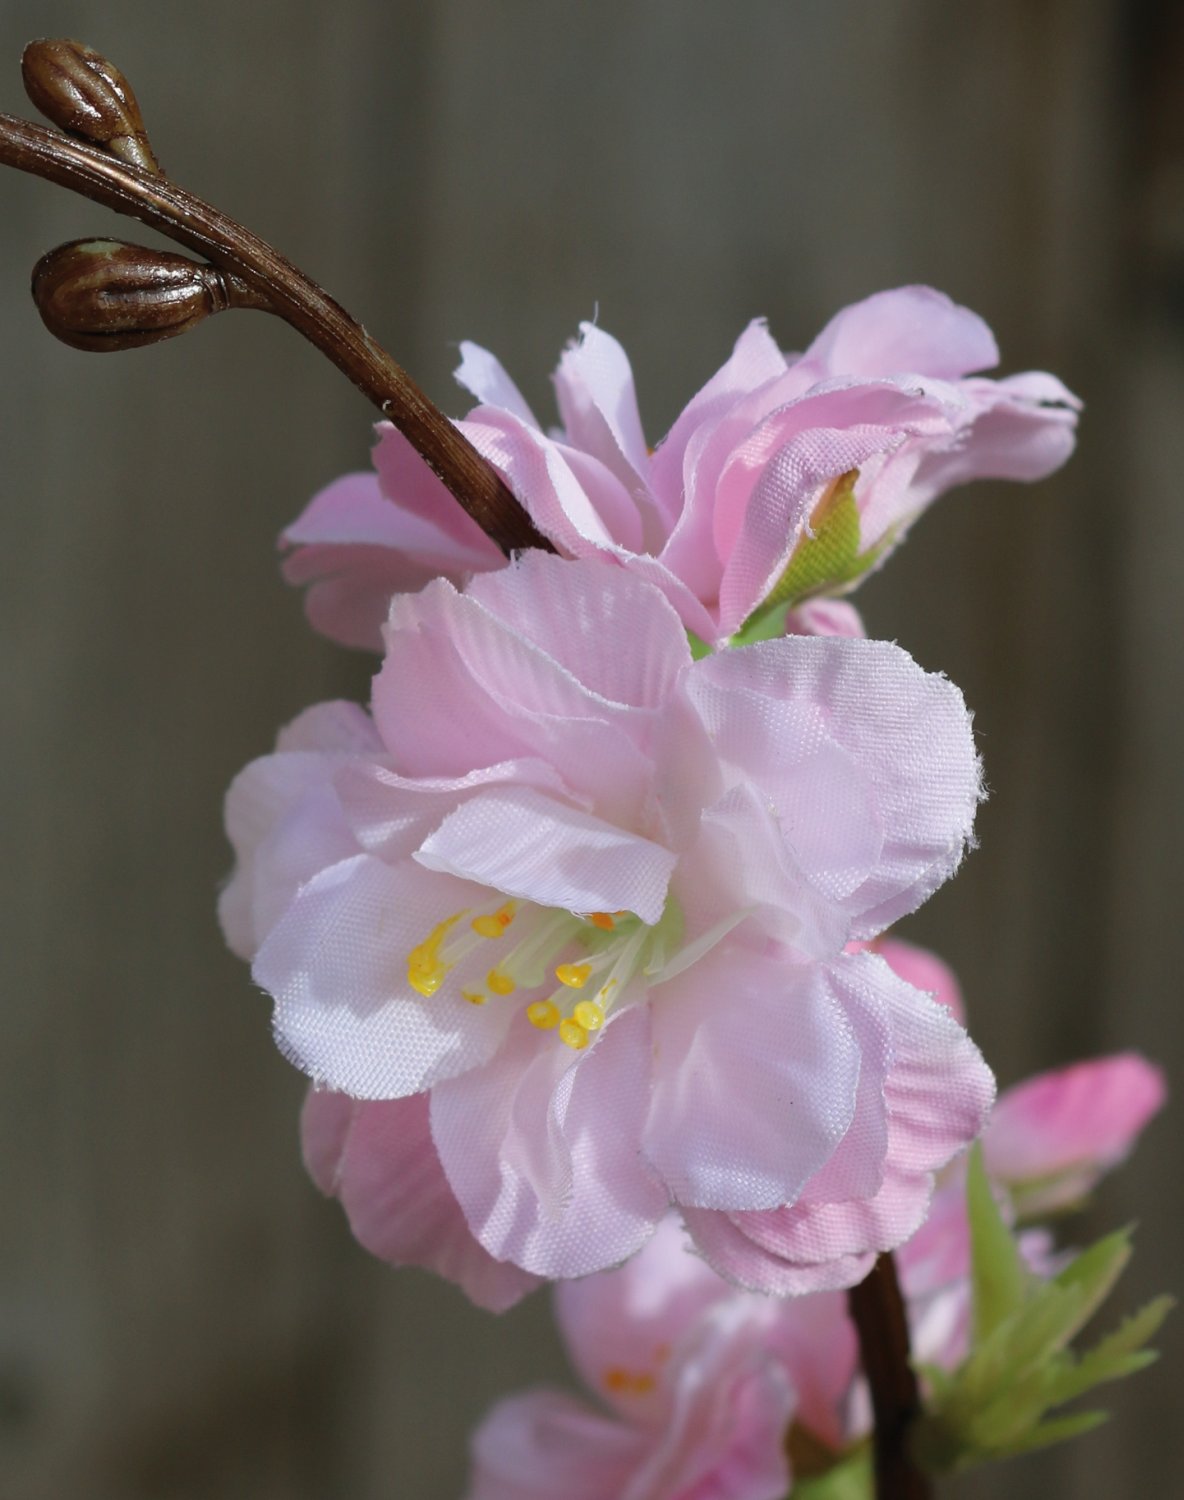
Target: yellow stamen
[(601, 919), (499, 983), (573, 1034), (625, 1383), (543, 1014), (575, 976), (425, 968), (474, 997), (589, 1014), (494, 924)]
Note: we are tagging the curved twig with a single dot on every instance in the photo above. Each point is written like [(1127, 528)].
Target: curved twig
[(291, 294)]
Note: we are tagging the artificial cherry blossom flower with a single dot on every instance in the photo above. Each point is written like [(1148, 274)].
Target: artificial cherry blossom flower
[(699, 1383), (705, 1389), (783, 478), (580, 905)]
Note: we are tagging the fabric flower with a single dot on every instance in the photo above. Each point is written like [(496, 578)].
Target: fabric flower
[(707, 1390), (783, 479), (569, 912), (699, 1384)]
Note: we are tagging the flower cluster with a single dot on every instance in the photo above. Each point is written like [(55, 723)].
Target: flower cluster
[(785, 480), (704, 1389), (580, 932)]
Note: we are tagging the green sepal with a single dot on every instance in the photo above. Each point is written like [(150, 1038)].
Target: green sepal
[(699, 647)]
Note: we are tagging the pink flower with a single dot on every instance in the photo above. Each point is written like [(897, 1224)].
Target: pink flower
[(699, 1386), (574, 909), (782, 479), (705, 1390)]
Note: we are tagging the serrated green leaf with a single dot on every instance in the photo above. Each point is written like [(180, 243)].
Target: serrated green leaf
[(999, 1278), (849, 1480), (1058, 1431), (1118, 1355), (1095, 1271)]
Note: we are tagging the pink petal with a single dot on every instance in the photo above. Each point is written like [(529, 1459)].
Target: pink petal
[(731, 1252), (484, 377), (1079, 1120), (336, 967), (598, 405), (751, 1094), (379, 1160), (754, 362), (631, 1320), (407, 481), (922, 969), (357, 548), (824, 617), (907, 730), (909, 329), (524, 1143), (517, 841), (730, 1412), (548, 1446)]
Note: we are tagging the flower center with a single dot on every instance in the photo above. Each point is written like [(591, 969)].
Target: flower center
[(584, 962)]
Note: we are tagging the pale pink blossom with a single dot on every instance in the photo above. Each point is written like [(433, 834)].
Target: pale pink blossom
[(706, 1390), (699, 1385), (573, 908), (880, 415)]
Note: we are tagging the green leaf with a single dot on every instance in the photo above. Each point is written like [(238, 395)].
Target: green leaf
[(1095, 1272), (828, 555), (699, 647), (849, 1480), (998, 1276), (1059, 1431)]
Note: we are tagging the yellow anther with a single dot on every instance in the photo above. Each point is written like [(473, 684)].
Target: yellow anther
[(494, 924), (575, 976), (573, 1034), (627, 1383), (500, 983), (544, 1014), (425, 970), (589, 1014), (601, 919), (474, 997)]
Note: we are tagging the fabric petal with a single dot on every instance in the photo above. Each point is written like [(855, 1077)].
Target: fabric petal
[(517, 841), (543, 1445), (336, 967), (525, 1141), (484, 376), (388, 1177), (907, 730), (1074, 1123), (755, 1077), (911, 328), (621, 1327)]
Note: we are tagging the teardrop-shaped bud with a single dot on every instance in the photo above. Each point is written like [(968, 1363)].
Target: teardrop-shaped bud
[(85, 95), (105, 294)]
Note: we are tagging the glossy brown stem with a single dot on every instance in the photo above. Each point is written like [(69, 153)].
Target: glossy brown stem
[(877, 1310), (291, 294)]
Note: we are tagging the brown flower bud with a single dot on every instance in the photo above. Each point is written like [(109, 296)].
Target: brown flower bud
[(86, 96), (104, 294)]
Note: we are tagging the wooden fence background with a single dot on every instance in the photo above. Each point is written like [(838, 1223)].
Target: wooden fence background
[(181, 1317)]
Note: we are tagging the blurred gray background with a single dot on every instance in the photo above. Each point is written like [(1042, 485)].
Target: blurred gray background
[(180, 1314)]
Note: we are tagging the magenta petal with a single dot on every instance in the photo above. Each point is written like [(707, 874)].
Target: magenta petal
[(1076, 1122), (379, 1160), (525, 1142)]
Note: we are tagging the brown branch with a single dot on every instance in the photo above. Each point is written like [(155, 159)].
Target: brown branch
[(154, 200), (877, 1310)]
